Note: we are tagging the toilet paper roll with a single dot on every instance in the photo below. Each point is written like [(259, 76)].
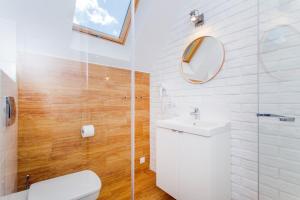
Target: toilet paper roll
[(87, 131)]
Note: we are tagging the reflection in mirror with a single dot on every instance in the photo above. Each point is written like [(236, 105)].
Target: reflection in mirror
[(202, 59), (279, 51)]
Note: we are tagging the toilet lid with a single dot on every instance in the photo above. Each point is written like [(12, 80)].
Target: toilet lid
[(68, 187)]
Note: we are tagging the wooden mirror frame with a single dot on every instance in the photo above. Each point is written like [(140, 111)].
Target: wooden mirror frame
[(193, 52)]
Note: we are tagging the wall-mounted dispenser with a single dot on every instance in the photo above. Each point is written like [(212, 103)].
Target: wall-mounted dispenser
[(10, 111), (162, 91)]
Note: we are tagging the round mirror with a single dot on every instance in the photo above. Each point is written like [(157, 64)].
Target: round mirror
[(202, 59), (279, 51)]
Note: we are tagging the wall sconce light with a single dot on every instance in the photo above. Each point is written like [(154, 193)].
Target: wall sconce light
[(196, 17)]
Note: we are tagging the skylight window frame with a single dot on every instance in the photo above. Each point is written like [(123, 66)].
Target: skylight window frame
[(123, 35)]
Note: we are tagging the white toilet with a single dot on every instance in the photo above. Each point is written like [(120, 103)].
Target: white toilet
[(84, 185)]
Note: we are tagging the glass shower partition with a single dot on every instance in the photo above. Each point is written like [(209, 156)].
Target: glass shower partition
[(279, 99)]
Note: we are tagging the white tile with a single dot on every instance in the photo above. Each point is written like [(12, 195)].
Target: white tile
[(235, 24)]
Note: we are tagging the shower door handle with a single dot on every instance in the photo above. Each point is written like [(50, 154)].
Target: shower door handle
[(280, 117)]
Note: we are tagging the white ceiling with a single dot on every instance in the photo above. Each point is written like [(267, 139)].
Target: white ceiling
[(153, 21), (45, 26)]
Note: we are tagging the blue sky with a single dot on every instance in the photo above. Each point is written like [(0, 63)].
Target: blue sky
[(106, 16)]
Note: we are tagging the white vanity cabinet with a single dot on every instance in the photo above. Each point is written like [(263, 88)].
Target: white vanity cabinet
[(190, 166), (167, 161)]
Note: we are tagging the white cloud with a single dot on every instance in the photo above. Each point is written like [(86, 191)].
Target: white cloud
[(96, 14), (75, 20), (115, 33)]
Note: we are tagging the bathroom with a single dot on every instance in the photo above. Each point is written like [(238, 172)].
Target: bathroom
[(150, 100)]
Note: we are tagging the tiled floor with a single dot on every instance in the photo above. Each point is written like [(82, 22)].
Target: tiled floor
[(145, 187)]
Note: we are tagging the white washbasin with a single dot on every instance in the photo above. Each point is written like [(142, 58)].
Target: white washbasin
[(197, 127)]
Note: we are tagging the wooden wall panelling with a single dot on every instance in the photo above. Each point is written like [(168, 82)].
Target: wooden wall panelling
[(57, 97), (142, 119), (55, 100)]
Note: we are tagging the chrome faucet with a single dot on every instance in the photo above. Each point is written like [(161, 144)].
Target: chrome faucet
[(196, 113)]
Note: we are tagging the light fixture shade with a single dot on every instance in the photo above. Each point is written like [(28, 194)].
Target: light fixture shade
[(193, 18), (196, 17)]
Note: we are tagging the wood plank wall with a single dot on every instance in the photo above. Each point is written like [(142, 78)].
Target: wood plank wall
[(142, 121), (57, 97)]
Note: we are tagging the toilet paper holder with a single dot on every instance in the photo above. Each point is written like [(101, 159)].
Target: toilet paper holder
[(87, 131)]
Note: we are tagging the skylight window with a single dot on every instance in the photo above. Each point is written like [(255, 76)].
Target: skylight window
[(108, 19)]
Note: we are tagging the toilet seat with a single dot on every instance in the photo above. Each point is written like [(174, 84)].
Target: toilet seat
[(16, 196), (84, 185), (74, 186)]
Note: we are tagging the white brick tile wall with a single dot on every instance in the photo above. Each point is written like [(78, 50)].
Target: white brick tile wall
[(234, 90), (232, 95)]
